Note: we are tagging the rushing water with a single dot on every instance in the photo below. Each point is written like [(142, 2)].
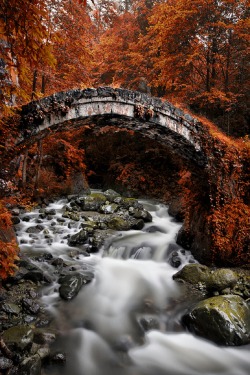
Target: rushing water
[(103, 328)]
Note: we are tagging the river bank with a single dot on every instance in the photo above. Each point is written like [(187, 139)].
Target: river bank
[(72, 247)]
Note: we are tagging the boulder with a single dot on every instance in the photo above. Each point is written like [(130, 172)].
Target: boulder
[(224, 320), (79, 238), (5, 363), (128, 203), (18, 337), (35, 229), (137, 224), (204, 277), (140, 214), (111, 195), (194, 274), (72, 283), (118, 223), (92, 202), (222, 278), (109, 208)]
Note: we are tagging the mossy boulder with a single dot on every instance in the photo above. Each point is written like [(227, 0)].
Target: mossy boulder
[(221, 279), (128, 203), (111, 195), (140, 214), (118, 223), (224, 320), (206, 278), (18, 337), (93, 202), (195, 274)]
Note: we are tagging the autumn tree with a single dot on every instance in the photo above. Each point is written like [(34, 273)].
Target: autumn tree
[(72, 48), (25, 41), (199, 53), (120, 59)]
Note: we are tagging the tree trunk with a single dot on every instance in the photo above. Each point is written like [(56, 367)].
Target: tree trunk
[(228, 56), (34, 85), (43, 83)]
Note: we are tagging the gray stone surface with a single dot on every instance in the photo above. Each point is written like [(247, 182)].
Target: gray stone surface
[(133, 110)]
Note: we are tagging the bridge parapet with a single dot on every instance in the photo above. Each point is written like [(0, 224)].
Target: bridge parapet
[(153, 117)]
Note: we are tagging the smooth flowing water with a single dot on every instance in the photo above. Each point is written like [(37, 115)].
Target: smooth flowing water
[(127, 320)]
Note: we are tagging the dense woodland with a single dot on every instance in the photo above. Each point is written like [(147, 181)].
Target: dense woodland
[(194, 53)]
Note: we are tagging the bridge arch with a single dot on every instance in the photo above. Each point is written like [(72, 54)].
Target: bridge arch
[(152, 117)]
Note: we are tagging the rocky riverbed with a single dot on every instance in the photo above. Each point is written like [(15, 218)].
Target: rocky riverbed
[(219, 298)]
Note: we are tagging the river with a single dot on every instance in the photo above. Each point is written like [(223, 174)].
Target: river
[(127, 320)]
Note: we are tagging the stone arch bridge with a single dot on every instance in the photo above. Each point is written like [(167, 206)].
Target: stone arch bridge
[(152, 117)]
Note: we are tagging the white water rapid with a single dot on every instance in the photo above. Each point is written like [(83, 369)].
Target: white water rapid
[(103, 328)]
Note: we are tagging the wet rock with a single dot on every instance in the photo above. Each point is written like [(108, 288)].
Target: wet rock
[(58, 359), (111, 195), (72, 215), (15, 220), (5, 363), (58, 263), (31, 366), (18, 337), (98, 239), (109, 208), (118, 223), (50, 212), (60, 220), (42, 256), (44, 336), (194, 274), (128, 203), (224, 320), (37, 276), (184, 238), (176, 209), (29, 319), (89, 224), (174, 259), (221, 279), (78, 238), (42, 322), (30, 306), (26, 218), (36, 229), (43, 352), (15, 212), (11, 308), (137, 224), (3, 295), (92, 202), (123, 344), (71, 285), (149, 322), (141, 214), (210, 280)]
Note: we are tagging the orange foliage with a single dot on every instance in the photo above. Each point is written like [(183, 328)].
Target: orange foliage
[(8, 250), (221, 197), (8, 256), (231, 232), (5, 217)]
